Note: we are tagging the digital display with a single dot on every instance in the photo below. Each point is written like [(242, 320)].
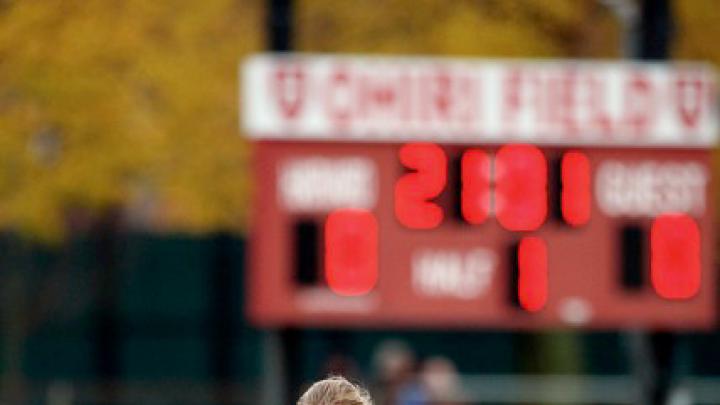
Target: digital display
[(513, 186), (394, 232), (460, 226)]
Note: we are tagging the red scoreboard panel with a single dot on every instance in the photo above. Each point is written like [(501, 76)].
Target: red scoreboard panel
[(411, 192)]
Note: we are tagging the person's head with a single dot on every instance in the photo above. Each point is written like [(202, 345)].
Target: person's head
[(441, 378), (335, 391), (394, 361)]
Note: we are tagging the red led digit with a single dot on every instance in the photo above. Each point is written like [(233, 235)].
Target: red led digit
[(520, 187), (475, 194), (576, 198), (414, 190), (675, 256), (351, 251), (532, 273)]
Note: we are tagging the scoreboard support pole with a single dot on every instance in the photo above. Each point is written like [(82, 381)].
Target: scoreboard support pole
[(663, 345), (657, 358), (281, 377), (273, 386), (653, 352)]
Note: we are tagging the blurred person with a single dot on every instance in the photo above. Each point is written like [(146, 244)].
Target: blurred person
[(396, 374), (412, 392), (393, 359), (335, 391), (441, 381)]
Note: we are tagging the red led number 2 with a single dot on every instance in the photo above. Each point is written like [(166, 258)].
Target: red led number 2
[(413, 191)]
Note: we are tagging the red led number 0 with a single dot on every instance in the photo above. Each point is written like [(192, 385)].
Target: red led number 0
[(521, 187), (351, 251)]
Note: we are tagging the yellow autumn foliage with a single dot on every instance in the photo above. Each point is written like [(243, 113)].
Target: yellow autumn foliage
[(127, 102), (489, 28)]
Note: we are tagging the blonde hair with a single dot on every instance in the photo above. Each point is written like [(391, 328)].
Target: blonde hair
[(335, 391)]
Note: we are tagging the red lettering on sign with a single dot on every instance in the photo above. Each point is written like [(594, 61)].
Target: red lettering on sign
[(289, 90), (468, 100), (599, 119), (379, 97), (442, 96), (689, 99), (406, 99), (639, 104), (512, 97), (338, 100), (561, 102)]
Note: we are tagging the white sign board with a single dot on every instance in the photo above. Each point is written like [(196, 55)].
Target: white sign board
[(376, 99)]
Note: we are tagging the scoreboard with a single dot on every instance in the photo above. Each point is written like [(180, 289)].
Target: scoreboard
[(429, 192)]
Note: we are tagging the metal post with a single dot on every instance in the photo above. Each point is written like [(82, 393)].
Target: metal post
[(108, 339), (655, 30), (654, 35), (273, 376), (277, 384), (279, 25), (647, 35), (627, 14)]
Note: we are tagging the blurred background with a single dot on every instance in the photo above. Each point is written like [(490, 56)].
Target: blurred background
[(124, 203)]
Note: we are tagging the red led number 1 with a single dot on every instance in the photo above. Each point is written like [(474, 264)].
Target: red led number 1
[(475, 193)]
